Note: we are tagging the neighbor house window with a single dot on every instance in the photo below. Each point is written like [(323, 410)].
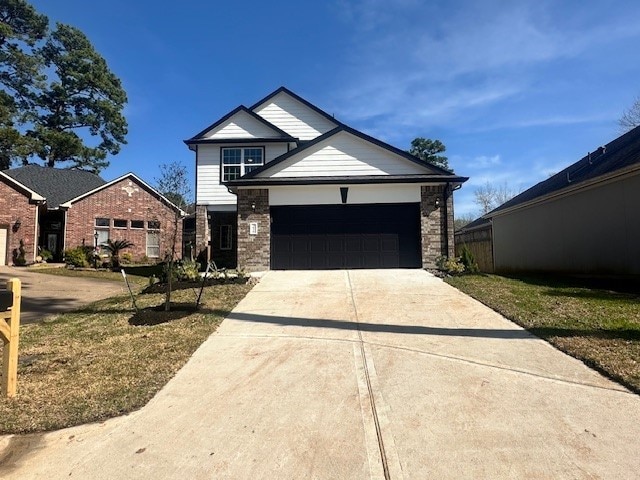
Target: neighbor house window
[(237, 162), (102, 228), (153, 225), (137, 224), (153, 244), (226, 239), (119, 223)]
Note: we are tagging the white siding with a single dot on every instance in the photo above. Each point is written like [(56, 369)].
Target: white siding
[(345, 154), (330, 194), (208, 188), (242, 125), (294, 117)]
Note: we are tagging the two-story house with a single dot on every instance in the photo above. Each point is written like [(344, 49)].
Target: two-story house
[(284, 185)]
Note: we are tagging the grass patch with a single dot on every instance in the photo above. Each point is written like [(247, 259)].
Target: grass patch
[(106, 360), (596, 321)]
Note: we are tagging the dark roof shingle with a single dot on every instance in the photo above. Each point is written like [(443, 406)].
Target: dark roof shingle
[(57, 185), (622, 152)]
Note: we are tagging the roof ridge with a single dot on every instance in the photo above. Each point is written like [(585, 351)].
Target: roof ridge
[(297, 97)]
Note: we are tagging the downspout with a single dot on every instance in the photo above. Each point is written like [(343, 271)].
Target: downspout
[(35, 232), (64, 232), (446, 219)]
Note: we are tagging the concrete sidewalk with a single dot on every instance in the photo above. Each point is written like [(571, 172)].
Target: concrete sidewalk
[(358, 374)]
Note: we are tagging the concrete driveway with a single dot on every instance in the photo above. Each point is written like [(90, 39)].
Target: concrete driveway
[(358, 375), (45, 295)]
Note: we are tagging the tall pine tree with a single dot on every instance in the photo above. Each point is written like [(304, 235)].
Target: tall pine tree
[(72, 116)]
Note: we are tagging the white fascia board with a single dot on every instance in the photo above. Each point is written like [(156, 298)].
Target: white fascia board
[(34, 195)]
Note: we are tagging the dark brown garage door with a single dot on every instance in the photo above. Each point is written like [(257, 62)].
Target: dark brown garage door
[(345, 236)]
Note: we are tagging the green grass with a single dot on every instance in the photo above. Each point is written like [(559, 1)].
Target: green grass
[(105, 359), (596, 321)]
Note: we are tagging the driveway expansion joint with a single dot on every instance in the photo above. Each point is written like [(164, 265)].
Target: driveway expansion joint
[(388, 453)]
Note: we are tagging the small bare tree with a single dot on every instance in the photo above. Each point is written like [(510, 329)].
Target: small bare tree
[(463, 220), (631, 116), (490, 196), (173, 183)]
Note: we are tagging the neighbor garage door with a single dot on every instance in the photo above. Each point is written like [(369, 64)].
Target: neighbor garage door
[(345, 236)]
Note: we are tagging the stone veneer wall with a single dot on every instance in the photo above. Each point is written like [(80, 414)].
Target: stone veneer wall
[(201, 250), (254, 251), (434, 224)]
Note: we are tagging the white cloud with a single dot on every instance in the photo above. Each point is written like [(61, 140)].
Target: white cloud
[(431, 63)]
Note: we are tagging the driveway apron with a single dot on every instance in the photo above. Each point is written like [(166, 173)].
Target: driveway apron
[(45, 295), (358, 374)]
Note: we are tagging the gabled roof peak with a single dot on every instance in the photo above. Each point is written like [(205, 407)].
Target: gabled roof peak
[(299, 99), (241, 108)]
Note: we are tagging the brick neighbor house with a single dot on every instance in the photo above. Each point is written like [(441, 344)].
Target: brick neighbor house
[(284, 185), (58, 209)]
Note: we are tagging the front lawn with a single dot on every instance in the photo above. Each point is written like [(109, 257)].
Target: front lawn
[(105, 360), (596, 321)]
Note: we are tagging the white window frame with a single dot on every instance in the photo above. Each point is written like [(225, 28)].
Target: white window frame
[(245, 166), (126, 223), (103, 232), (153, 234)]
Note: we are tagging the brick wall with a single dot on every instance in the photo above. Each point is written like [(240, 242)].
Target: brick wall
[(435, 221), (125, 200), (254, 251), (202, 249), (15, 205)]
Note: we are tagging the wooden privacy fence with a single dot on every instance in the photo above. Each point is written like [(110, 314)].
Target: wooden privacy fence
[(480, 244), (9, 331)]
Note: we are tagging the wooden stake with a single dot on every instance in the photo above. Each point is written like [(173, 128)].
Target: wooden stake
[(9, 332)]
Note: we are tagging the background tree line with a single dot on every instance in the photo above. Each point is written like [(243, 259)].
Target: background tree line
[(59, 102)]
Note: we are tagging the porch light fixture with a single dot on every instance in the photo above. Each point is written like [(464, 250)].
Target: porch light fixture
[(95, 249), (253, 206), (437, 203), (16, 226)]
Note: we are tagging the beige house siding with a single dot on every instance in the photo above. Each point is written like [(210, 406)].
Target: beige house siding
[(594, 230)]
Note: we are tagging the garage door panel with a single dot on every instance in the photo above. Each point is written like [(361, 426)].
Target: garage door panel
[(335, 244), (345, 236)]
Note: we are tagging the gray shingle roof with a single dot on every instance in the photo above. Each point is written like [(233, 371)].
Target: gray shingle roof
[(57, 185), (622, 152)]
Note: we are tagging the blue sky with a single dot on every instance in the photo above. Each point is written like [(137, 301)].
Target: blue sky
[(516, 90)]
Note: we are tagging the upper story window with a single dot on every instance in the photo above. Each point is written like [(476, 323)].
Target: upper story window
[(238, 161)]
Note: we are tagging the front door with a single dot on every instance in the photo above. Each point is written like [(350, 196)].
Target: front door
[(52, 242)]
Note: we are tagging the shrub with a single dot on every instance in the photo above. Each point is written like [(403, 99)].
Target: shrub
[(164, 274), (188, 271), (114, 247), (452, 266), (46, 255), (126, 258), (19, 257), (468, 260), (78, 256)]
